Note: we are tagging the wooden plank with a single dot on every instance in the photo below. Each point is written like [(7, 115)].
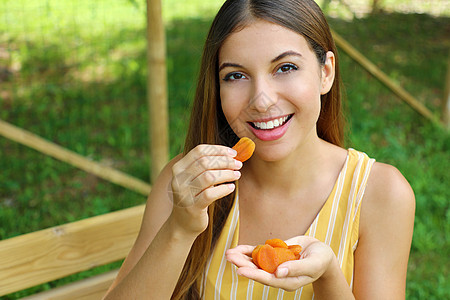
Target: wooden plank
[(53, 253), (93, 288), (383, 78), (157, 88), (35, 142)]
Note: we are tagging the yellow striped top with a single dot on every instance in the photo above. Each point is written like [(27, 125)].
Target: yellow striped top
[(337, 225)]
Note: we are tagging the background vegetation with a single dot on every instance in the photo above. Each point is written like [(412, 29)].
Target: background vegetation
[(74, 72)]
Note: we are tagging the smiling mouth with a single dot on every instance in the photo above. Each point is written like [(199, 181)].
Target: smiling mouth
[(272, 124)]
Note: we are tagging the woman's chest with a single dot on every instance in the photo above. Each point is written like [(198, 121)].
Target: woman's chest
[(259, 221)]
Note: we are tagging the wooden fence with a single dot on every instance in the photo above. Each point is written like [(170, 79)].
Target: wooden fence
[(38, 257), (56, 252)]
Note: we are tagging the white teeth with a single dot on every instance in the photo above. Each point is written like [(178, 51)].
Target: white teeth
[(270, 124)]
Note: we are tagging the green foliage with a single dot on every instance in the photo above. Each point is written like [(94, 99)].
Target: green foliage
[(410, 48), (77, 76)]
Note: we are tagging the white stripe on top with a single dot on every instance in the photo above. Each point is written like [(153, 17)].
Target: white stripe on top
[(227, 246)]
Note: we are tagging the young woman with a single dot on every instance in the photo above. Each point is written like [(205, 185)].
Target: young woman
[(270, 72)]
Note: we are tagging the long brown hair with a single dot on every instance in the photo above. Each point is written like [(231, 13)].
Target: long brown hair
[(209, 126)]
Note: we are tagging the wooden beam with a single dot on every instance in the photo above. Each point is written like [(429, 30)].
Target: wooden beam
[(53, 253), (157, 88), (383, 78), (93, 288), (46, 147)]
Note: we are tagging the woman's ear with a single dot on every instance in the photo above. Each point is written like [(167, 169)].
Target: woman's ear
[(327, 73)]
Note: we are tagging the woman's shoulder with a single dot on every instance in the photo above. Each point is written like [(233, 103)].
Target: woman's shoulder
[(388, 198), (386, 184)]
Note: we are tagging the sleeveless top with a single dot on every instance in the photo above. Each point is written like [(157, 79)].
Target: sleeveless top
[(336, 224)]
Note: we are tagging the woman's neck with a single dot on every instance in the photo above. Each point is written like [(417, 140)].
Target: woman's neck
[(295, 172)]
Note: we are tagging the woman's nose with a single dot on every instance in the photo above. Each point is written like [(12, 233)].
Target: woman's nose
[(263, 96)]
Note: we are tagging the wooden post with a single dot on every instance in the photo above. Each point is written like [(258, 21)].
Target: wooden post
[(157, 88)]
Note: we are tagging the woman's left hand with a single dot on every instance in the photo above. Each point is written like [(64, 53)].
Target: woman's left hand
[(315, 260)]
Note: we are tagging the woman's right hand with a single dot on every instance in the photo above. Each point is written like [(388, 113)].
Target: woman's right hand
[(201, 177)]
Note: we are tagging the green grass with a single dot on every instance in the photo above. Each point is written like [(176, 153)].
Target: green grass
[(74, 72)]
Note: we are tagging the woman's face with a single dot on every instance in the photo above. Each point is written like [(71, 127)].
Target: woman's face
[(270, 87)]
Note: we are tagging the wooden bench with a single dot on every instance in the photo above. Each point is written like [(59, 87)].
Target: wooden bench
[(42, 256), (39, 257)]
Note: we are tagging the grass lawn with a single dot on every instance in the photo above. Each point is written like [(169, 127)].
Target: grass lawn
[(74, 72)]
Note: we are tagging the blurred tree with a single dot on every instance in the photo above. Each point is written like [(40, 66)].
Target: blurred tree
[(377, 6), (327, 2)]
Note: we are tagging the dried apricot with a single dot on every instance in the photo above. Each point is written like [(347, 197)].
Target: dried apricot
[(296, 249), (273, 253), (283, 254), (244, 148), (255, 252), (277, 243), (267, 258)]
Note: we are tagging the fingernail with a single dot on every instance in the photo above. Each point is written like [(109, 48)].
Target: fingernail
[(238, 163), (237, 174), (282, 272), (231, 186), (232, 152)]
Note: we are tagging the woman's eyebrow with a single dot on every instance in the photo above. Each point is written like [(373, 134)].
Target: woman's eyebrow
[(224, 65), (284, 54), (281, 56)]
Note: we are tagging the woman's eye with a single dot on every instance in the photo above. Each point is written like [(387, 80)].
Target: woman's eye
[(286, 68), (233, 76)]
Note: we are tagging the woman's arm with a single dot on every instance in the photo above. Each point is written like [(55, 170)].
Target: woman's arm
[(150, 251), (157, 271), (386, 227), (168, 231)]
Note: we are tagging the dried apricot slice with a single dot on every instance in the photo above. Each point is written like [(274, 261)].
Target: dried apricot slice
[(277, 243), (266, 258), (273, 253), (244, 148), (296, 249), (283, 254), (255, 253)]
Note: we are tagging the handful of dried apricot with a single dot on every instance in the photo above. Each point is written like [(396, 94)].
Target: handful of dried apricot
[(244, 148), (275, 252)]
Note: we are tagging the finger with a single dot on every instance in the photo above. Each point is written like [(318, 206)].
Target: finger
[(183, 178), (206, 188), (212, 178), (302, 240), (245, 249), (201, 151), (303, 267), (215, 162), (256, 274), (211, 194), (240, 259), (187, 189), (286, 283)]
